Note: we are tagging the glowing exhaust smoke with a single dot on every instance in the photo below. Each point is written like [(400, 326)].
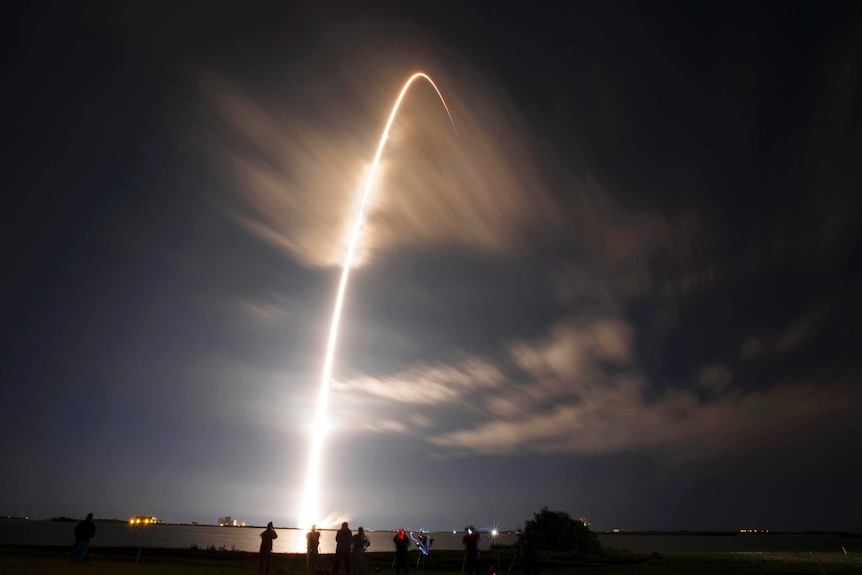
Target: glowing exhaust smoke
[(309, 514)]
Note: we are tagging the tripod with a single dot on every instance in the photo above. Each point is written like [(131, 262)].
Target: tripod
[(423, 560), (512, 564)]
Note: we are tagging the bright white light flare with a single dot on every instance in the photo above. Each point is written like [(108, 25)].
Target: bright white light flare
[(310, 502)]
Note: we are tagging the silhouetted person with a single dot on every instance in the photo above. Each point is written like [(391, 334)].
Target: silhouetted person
[(528, 552), (84, 531), (471, 551), (266, 538), (423, 542), (312, 542), (402, 542), (360, 567), (343, 539)]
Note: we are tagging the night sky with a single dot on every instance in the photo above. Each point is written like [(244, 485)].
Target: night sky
[(629, 287)]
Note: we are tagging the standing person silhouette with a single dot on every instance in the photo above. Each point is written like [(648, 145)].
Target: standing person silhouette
[(360, 567), (266, 538), (343, 539), (84, 531), (471, 548), (312, 545), (402, 542), (529, 552)]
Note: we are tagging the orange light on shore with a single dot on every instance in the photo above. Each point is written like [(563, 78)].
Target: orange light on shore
[(143, 520)]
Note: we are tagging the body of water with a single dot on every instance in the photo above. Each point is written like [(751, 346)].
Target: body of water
[(112, 534)]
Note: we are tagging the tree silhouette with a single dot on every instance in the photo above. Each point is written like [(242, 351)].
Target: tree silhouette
[(557, 531)]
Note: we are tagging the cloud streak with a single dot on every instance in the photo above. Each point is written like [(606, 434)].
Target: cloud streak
[(580, 390), (297, 181)]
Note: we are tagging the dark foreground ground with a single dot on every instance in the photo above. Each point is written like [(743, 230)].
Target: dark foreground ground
[(109, 561)]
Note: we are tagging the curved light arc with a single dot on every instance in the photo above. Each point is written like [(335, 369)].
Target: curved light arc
[(309, 514)]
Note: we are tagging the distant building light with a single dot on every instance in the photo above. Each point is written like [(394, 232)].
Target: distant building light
[(144, 520)]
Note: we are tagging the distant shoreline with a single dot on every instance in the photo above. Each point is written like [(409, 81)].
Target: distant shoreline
[(680, 532)]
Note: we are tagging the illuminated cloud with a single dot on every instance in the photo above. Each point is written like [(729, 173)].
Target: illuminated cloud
[(579, 389), (752, 347), (297, 180), (264, 312), (427, 384), (570, 404), (715, 378), (384, 426), (618, 254), (294, 182), (792, 337), (617, 418), (573, 347)]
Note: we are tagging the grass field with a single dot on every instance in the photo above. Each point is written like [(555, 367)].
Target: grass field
[(110, 561)]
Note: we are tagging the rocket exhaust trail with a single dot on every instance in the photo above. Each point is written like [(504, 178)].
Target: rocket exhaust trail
[(309, 514)]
